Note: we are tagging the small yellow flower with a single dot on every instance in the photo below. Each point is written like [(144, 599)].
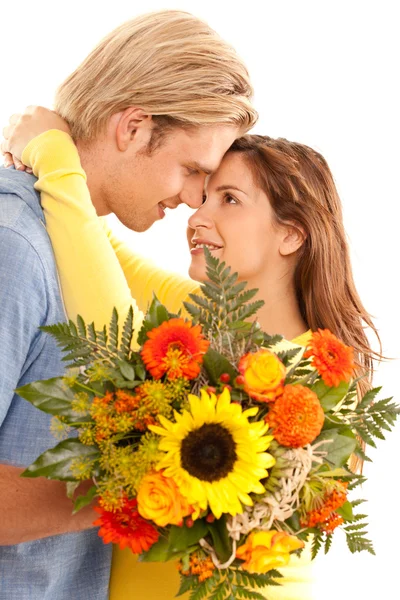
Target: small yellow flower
[(266, 550)]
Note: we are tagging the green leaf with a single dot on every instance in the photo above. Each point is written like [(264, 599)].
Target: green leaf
[(215, 364), (346, 511), (159, 552), (51, 396), (71, 487), (188, 582), (221, 541), (55, 463), (180, 538), (83, 500), (156, 315), (330, 396), (127, 370), (340, 448)]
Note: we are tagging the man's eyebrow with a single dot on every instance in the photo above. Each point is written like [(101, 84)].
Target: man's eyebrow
[(199, 167), (223, 188)]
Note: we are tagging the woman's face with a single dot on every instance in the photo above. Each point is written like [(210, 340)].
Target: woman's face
[(237, 223)]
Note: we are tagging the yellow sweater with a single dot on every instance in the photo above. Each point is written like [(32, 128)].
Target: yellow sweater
[(98, 272)]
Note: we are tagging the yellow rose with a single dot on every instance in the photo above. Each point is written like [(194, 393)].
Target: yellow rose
[(266, 550), (160, 501), (263, 375)]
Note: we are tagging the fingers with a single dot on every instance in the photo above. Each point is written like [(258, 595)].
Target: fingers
[(14, 118), (8, 160), (18, 164)]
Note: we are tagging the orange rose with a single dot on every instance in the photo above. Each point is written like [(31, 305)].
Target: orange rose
[(264, 375), (160, 501), (266, 550)]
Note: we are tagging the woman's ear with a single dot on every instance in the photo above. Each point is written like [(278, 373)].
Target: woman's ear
[(293, 238)]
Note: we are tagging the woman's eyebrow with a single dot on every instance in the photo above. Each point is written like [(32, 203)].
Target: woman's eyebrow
[(223, 188)]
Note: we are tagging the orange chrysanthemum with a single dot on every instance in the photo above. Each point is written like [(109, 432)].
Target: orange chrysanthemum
[(126, 528), (333, 360), (325, 517), (296, 417), (174, 348)]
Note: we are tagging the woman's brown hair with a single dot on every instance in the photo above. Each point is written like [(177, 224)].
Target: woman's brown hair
[(301, 190)]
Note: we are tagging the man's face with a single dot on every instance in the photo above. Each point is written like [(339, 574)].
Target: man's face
[(141, 185)]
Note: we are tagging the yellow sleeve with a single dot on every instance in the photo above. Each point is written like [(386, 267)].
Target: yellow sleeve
[(89, 258), (145, 278)]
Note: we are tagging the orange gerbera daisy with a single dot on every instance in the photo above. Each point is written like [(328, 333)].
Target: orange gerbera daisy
[(333, 360), (296, 417), (174, 348), (126, 528)]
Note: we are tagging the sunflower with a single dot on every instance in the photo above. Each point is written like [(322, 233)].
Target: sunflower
[(216, 457), (174, 348), (126, 528), (333, 360)]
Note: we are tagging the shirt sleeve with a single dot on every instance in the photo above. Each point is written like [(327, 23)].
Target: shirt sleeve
[(97, 271), (145, 278), (24, 306)]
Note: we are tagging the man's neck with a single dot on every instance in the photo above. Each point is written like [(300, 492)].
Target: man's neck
[(90, 164)]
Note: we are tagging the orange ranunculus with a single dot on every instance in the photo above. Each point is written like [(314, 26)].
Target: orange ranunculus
[(266, 550), (264, 375), (333, 360), (297, 417), (160, 501)]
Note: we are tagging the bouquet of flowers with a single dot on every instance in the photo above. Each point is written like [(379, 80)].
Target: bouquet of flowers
[(209, 441)]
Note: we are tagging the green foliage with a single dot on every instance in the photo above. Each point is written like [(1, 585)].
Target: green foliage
[(215, 364), (155, 316), (56, 462), (222, 543), (187, 582), (83, 345), (181, 538), (339, 446), (330, 397), (51, 396), (83, 500), (223, 304)]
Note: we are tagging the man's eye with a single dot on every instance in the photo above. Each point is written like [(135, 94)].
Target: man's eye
[(191, 171)]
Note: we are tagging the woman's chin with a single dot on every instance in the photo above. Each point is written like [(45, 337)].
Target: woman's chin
[(197, 273)]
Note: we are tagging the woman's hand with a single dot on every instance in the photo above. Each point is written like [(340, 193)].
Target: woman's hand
[(22, 128)]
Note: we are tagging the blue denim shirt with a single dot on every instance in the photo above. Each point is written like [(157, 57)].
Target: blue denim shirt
[(73, 566)]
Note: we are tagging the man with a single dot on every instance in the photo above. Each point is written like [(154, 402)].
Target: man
[(152, 110)]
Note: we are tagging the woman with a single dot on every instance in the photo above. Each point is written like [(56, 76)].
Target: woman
[(272, 213)]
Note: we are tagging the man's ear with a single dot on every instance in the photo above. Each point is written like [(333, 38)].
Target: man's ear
[(292, 239), (132, 125)]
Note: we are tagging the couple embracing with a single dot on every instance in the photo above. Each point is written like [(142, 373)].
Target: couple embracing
[(157, 115)]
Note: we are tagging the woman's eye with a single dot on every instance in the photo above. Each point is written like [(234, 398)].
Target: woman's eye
[(228, 199)]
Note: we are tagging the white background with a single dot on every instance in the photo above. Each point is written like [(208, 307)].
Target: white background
[(325, 74)]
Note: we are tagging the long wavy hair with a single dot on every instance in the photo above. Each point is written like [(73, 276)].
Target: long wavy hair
[(301, 190)]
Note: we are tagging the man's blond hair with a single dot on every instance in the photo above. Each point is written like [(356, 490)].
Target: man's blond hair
[(168, 63)]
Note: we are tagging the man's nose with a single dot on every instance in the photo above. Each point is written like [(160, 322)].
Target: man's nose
[(193, 192)]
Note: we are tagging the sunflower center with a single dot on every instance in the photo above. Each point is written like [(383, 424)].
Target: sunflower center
[(209, 453)]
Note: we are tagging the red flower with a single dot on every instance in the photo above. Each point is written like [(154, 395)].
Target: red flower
[(333, 360), (175, 348), (126, 528)]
